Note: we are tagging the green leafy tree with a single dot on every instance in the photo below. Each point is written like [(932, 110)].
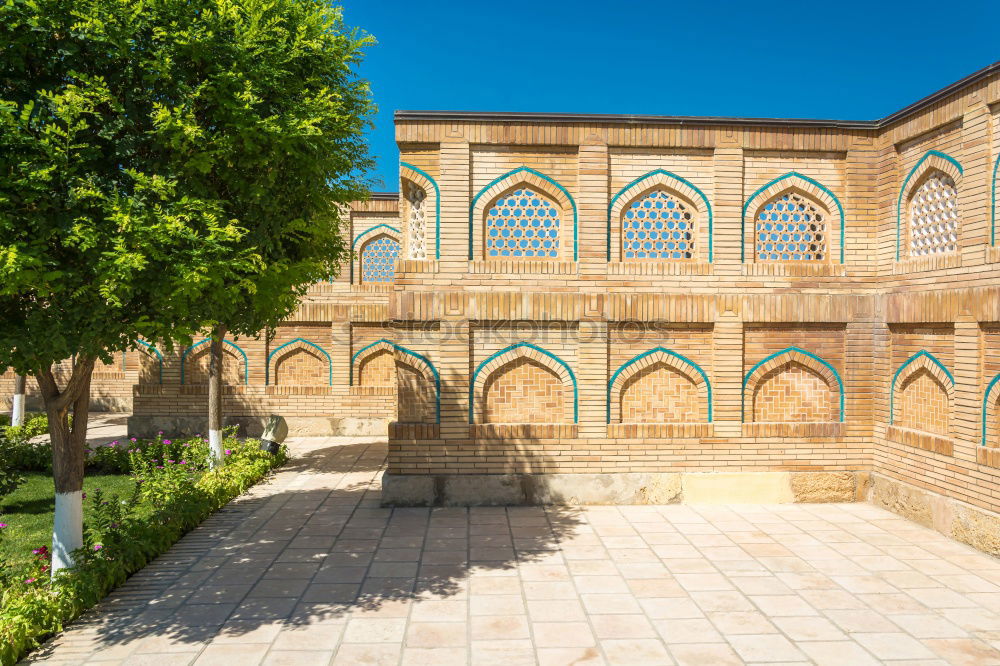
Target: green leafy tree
[(158, 160), (270, 126)]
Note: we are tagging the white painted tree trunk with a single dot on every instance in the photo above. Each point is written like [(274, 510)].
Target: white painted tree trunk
[(215, 447), (67, 532), (17, 408)]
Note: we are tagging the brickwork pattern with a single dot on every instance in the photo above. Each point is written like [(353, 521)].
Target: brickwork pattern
[(415, 395), (922, 403), (864, 317), (524, 391), (794, 393), (661, 394), (377, 369), (302, 367), (197, 362)]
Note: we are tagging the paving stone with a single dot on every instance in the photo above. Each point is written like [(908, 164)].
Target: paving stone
[(332, 578)]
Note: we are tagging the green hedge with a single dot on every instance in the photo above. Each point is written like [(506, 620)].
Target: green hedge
[(172, 497)]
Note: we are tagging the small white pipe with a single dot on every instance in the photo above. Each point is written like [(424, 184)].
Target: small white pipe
[(17, 410), (215, 447), (67, 531)]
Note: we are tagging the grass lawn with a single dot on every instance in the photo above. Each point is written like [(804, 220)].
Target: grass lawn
[(28, 511)]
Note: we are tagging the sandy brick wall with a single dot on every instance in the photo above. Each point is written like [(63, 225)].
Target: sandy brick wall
[(590, 362)]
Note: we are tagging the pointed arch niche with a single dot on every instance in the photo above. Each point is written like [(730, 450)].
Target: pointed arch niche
[(523, 216), (928, 216), (421, 213), (299, 362), (793, 392), (793, 225), (988, 451), (659, 393), (660, 223), (921, 404), (416, 381), (377, 250), (523, 390), (195, 360)]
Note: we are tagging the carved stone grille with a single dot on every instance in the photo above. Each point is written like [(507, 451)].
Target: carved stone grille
[(658, 226), (378, 260), (791, 228), (417, 223), (522, 224), (934, 216)]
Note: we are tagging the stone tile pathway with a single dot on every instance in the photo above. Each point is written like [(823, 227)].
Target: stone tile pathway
[(308, 569)]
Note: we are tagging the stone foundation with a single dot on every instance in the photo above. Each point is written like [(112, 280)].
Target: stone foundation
[(622, 488), (253, 426), (963, 522)]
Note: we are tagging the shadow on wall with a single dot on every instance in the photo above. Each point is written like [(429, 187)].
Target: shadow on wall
[(314, 552)]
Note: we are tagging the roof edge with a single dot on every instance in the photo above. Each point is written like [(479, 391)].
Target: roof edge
[(633, 119)]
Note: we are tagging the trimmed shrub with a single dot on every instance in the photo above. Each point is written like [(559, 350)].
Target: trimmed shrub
[(122, 534)]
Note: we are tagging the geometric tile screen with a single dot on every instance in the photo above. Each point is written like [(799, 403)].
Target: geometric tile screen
[(378, 260), (657, 226), (417, 224), (934, 216), (522, 224), (791, 228)]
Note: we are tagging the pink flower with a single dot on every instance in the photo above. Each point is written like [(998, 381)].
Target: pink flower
[(3, 525), (131, 439), (98, 547), (167, 442), (184, 462), (170, 461), (29, 581), (228, 451), (114, 443)]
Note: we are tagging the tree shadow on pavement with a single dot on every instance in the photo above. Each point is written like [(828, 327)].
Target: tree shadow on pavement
[(311, 546)]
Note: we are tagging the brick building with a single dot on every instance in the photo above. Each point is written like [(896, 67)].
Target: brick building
[(652, 308)]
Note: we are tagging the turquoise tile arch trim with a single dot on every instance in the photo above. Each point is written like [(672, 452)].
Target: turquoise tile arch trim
[(680, 179), (366, 232), (506, 350), (902, 190), (437, 205), (308, 343), (994, 384), (792, 174), (156, 352), (408, 352), (246, 362), (790, 350), (669, 352), (369, 230), (993, 202), (923, 353), (510, 175)]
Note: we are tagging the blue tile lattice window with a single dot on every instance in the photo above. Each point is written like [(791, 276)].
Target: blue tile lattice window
[(658, 226), (522, 223), (791, 228), (378, 259)]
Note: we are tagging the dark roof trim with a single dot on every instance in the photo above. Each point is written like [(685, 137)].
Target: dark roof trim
[(612, 118), (384, 196)]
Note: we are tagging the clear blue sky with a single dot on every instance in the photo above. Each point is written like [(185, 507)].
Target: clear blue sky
[(856, 60)]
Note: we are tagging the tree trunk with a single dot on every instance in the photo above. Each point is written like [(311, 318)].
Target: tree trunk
[(215, 396), (17, 408), (68, 458)]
